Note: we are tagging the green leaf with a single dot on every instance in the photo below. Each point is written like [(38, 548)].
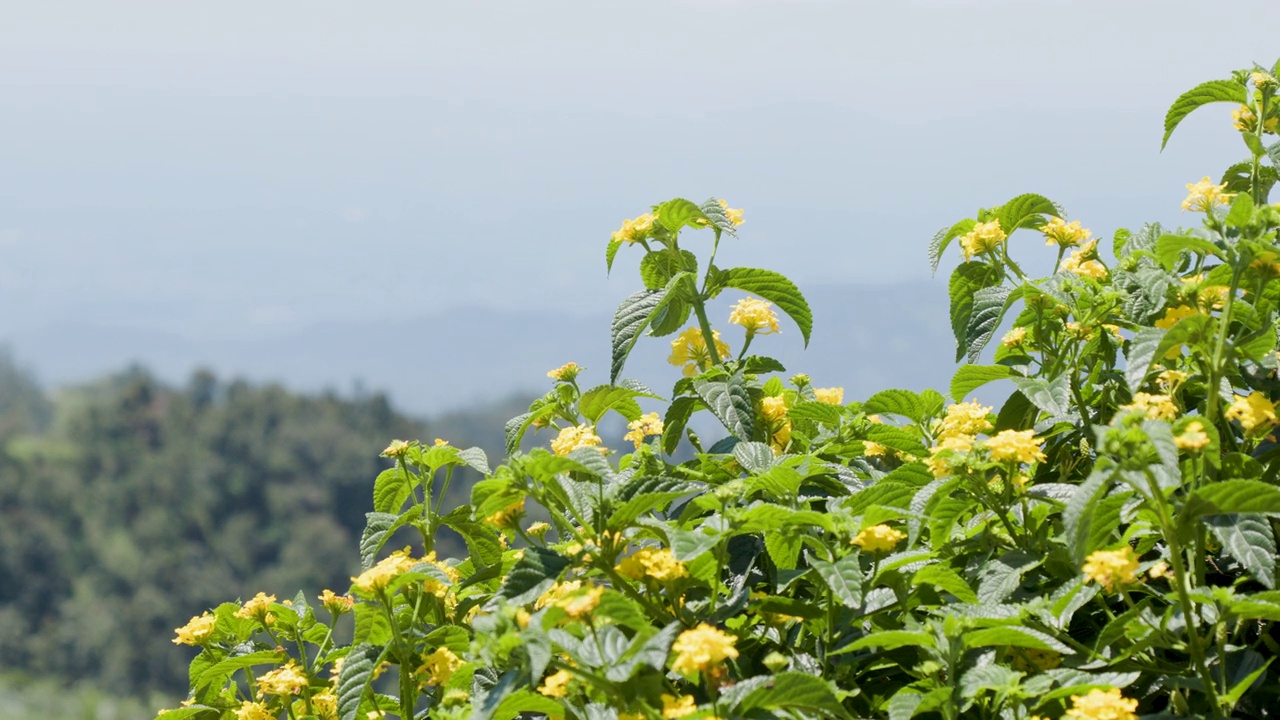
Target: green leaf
[(966, 280), (218, 673), (354, 679), (1250, 541), (730, 403), (599, 400), (1242, 208), (1195, 331), (943, 238), (843, 576), (371, 624), (971, 377), (1141, 352), (944, 578), (670, 317), (1026, 211), (1017, 413), (715, 212), (1052, 396), (481, 542), (1202, 94), (631, 318), (755, 457), (797, 690), (391, 488), (989, 307), (1232, 497), (663, 491), (903, 403), (892, 640), (677, 213), (1169, 249), (819, 412), (659, 266), (1016, 637), (532, 575), (378, 528), (517, 426), (778, 290), (674, 423), (610, 253), (188, 713), (1001, 577), (1078, 515), (897, 439), (527, 701)]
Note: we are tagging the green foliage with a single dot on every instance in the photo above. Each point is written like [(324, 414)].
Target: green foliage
[(1106, 538)]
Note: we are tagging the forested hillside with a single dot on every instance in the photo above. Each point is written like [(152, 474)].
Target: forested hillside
[(128, 505)]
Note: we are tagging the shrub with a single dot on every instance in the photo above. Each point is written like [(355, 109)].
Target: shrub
[(1101, 545)]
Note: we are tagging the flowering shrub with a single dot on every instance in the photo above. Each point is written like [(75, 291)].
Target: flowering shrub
[(1100, 545)]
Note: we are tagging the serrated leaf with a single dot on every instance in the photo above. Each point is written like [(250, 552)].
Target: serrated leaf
[(354, 679), (944, 578), (191, 712), (1140, 354), (819, 412), (795, 690), (533, 573), (966, 280), (391, 488), (516, 427), (610, 252), (674, 423), (677, 213), (1169, 249), (223, 669), (729, 401), (903, 403), (892, 640), (631, 318), (599, 400), (476, 459), (1016, 637), (897, 439), (378, 528), (1052, 396), (778, 290), (1232, 497), (755, 457), (719, 219), (1002, 576), (659, 266), (527, 701), (843, 577), (943, 238), (1025, 210), (1202, 94), (1250, 541), (971, 377), (1078, 515), (989, 306)]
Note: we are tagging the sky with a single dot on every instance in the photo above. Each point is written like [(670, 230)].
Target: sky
[(243, 169)]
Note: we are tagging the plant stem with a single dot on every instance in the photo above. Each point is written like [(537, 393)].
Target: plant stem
[(708, 336)]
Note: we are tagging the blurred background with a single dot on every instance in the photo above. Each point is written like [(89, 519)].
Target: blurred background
[(245, 244)]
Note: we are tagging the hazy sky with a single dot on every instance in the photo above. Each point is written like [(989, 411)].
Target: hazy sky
[(241, 167)]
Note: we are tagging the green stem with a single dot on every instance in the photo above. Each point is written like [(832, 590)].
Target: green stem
[(699, 307), (1220, 344)]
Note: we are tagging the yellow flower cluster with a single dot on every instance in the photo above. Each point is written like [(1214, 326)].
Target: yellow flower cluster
[(1080, 262), (1192, 437), (506, 515), (1113, 569), (969, 418), (556, 685), (1244, 120), (638, 430), (734, 214), (674, 708), (254, 711), (1063, 234), (335, 603), (1253, 411), (325, 705), (257, 609), (701, 649), (1204, 196), (878, 538), (287, 679), (572, 597), (1155, 407), (690, 350), (1015, 445), (1168, 380), (565, 372), (660, 564), (755, 315), (396, 449), (388, 569), (635, 229), (574, 437), (774, 410), (1014, 337), (1173, 314), (1102, 705), (439, 666), (196, 631), (984, 236), (830, 396)]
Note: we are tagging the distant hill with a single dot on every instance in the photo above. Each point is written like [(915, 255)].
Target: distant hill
[(866, 338)]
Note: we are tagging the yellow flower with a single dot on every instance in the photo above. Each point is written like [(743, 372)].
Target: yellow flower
[(440, 442), (1156, 407), (648, 424), (983, 237), (256, 608), (870, 448), (1173, 314), (1203, 196), (1261, 79), (439, 666), (285, 680), (1063, 234), (325, 705), (1243, 119), (774, 408), (755, 315), (878, 538), (396, 449), (572, 597), (1016, 445), (1160, 569), (1192, 437), (968, 418), (557, 684), (506, 515), (702, 648), (456, 696), (1075, 263), (634, 230), (1100, 705), (565, 372), (538, 529), (574, 437), (780, 436), (336, 604), (196, 631), (1113, 569), (674, 708), (1014, 337), (734, 215), (830, 396), (939, 461), (660, 564), (1170, 379), (690, 350), (388, 569), (253, 711), (1252, 411)]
